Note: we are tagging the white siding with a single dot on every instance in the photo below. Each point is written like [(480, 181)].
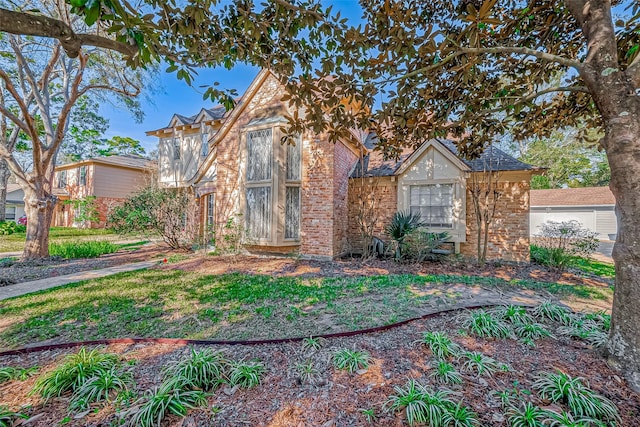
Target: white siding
[(433, 167)]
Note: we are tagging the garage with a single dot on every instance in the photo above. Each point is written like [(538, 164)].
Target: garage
[(593, 207)]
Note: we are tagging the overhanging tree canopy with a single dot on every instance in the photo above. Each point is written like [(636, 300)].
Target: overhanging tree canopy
[(469, 69)]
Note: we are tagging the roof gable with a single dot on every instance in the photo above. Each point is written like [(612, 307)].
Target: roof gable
[(492, 158)]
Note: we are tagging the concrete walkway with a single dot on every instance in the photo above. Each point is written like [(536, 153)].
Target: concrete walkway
[(52, 282)]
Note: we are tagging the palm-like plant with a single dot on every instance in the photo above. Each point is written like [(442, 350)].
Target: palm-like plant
[(403, 223)]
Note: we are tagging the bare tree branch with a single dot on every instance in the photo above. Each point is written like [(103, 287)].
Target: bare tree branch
[(532, 96), (42, 26)]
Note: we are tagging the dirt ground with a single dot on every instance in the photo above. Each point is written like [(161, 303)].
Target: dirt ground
[(17, 272), (337, 398)]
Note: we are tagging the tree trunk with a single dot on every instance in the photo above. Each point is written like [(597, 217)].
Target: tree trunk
[(5, 173), (623, 151), (39, 210)]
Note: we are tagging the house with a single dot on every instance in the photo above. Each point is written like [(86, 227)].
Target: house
[(593, 207), (109, 180), (295, 197), (14, 207)]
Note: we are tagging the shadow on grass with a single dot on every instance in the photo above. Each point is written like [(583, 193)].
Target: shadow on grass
[(178, 304)]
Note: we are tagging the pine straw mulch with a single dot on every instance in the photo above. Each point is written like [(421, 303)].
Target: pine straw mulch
[(337, 398)]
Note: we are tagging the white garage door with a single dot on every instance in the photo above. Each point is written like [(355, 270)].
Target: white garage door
[(586, 217), (601, 220)]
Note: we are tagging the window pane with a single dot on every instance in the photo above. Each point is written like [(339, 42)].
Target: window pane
[(205, 144), (434, 202), (292, 213), (176, 149), (211, 204), (259, 155), (259, 212), (293, 160)]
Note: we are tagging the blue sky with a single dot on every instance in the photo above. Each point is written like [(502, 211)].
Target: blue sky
[(171, 95)]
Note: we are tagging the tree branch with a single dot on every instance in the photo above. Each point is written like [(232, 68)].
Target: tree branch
[(548, 57), (29, 128), (42, 26), (532, 96)]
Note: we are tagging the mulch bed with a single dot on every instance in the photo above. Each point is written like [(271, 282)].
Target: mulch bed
[(337, 398), (25, 271)]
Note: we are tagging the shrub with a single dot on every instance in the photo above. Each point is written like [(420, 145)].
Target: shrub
[(89, 249), (559, 243), (526, 415), (440, 344), (168, 212), (311, 343), (514, 314), (175, 396), (10, 227), (351, 360), (422, 406), (484, 324), (105, 384), (246, 374), (479, 363), (74, 372), (581, 400), (552, 311), (401, 225), (419, 244), (205, 369), (445, 373), (307, 372)]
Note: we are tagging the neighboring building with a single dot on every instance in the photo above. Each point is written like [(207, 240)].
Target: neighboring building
[(593, 207), (14, 207), (295, 197), (109, 179)]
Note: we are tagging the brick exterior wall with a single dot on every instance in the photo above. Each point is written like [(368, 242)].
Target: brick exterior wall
[(317, 205), (509, 235), (370, 199), (325, 171), (103, 205), (344, 161)]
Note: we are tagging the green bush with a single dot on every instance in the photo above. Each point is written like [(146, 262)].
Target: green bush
[(10, 227), (559, 244), (90, 249)]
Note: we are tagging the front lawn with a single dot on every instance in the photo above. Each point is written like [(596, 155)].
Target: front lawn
[(15, 242), (191, 304)]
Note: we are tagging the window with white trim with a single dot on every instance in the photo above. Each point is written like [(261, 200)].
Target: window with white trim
[(259, 187), (434, 202), (292, 190)]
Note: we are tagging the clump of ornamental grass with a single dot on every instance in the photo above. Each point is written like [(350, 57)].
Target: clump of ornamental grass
[(440, 344), (351, 360)]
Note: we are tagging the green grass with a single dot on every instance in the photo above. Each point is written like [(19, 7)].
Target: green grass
[(88, 249), (602, 269), (163, 303), (15, 242)]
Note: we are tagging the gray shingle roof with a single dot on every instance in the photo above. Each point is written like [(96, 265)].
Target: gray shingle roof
[(376, 165)]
